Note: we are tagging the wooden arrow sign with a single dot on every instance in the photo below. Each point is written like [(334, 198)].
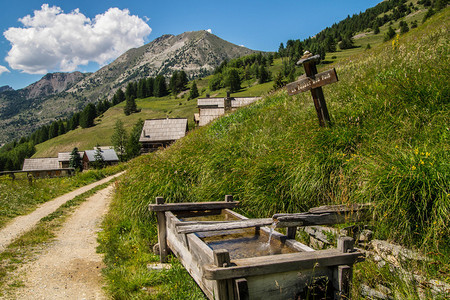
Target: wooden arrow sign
[(308, 83)]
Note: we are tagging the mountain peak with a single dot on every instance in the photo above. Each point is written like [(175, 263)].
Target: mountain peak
[(52, 83), (196, 52)]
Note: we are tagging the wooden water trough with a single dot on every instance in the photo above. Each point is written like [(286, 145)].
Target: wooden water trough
[(233, 257)]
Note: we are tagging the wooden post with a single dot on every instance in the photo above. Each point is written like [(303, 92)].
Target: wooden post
[(345, 244), (224, 287), (162, 231), (228, 198), (319, 100), (227, 102), (342, 279), (241, 289), (314, 82), (342, 276), (291, 232)]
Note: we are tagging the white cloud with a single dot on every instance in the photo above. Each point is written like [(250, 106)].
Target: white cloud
[(54, 40), (209, 30), (3, 70)]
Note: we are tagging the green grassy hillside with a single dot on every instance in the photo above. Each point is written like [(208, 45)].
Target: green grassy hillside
[(389, 145)]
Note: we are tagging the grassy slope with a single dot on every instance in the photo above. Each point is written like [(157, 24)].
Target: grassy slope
[(389, 145), (169, 106)]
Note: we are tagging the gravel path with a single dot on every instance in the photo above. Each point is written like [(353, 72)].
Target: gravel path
[(70, 268), (23, 224)]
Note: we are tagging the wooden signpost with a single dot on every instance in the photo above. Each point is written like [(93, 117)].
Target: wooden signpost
[(313, 82)]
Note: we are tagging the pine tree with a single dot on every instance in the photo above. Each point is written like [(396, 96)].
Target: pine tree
[(133, 147), (215, 82), (99, 161), (88, 115), (403, 27), (120, 96), (53, 131), (389, 34), (150, 85), (263, 75), (130, 106), (119, 139), (279, 81), (160, 87), (376, 30), (233, 80), (75, 160), (75, 121), (61, 127), (194, 91)]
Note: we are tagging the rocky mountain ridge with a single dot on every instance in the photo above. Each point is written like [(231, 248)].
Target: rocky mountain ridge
[(58, 95)]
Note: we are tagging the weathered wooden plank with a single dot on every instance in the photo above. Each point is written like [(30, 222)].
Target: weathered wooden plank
[(340, 208), (188, 223), (308, 83), (276, 235), (224, 226), (286, 285), (280, 263), (193, 254), (307, 219), (194, 206)]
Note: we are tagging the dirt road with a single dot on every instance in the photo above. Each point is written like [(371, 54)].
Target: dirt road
[(23, 224), (69, 268)]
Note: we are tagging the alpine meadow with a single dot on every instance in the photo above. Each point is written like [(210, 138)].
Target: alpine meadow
[(176, 112), (388, 145)]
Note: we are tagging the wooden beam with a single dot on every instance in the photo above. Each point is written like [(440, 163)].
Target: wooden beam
[(162, 232), (193, 206), (340, 208), (307, 219), (263, 265), (224, 226), (222, 260), (324, 215)]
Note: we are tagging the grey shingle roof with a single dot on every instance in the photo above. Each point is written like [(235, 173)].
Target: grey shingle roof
[(35, 164), (163, 130), (65, 156), (107, 154)]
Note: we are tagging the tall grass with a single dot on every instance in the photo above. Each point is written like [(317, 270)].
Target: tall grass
[(389, 145)]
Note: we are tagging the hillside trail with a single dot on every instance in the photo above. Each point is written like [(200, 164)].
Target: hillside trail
[(69, 268), (22, 224)]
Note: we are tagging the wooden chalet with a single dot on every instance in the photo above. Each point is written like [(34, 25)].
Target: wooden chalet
[(45, 167), (159, 133), (64, 158), (109, 156), (212, 108)]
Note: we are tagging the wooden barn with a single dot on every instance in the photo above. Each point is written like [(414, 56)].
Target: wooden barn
[(45, 167), (211, 108), (64, 158), (159, 133), (109, 157)]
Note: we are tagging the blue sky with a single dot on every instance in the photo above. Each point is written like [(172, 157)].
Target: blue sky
[(67, 35)]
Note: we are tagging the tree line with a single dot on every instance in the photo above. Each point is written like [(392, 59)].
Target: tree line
[(231, 74), (13, 154), (340, 35)]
